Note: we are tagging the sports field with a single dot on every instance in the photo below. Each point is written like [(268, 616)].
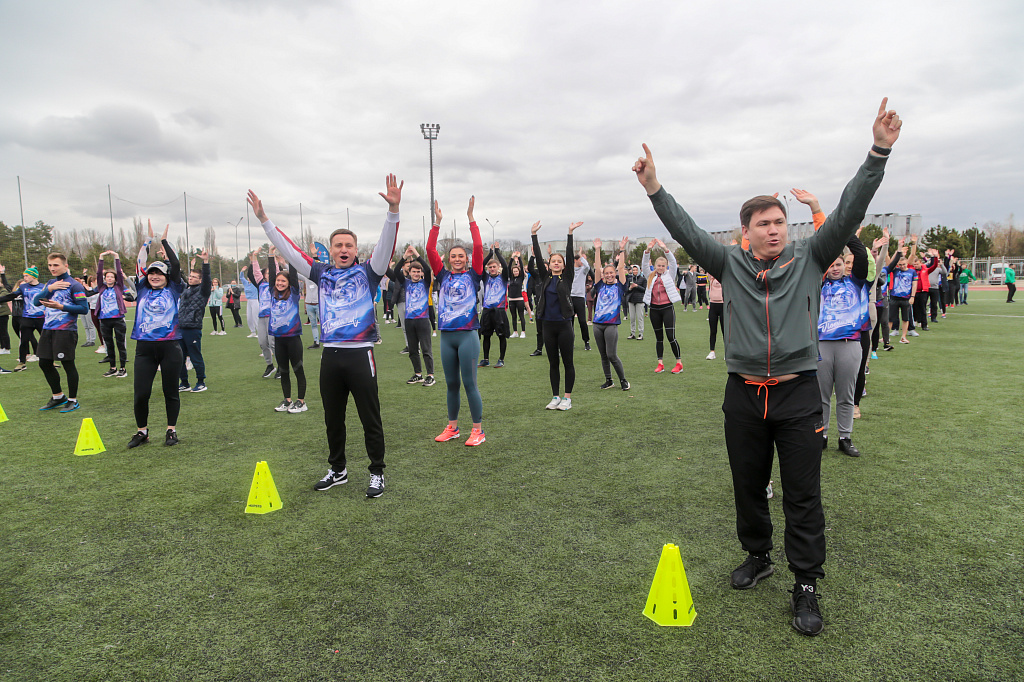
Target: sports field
[(527, 558)]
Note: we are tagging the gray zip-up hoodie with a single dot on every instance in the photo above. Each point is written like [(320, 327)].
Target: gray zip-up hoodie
[(771, 307)]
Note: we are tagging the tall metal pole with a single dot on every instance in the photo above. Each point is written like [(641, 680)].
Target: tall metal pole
[(24, 241), (300, 220), (247, 232), (186, 226), (430, 131), (110, 205)]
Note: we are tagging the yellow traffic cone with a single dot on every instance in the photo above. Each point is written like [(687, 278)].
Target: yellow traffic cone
[(3, 415), (89, 442), (669, 601), (263, 497)]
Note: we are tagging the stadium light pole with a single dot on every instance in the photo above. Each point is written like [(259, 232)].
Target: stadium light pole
[(236, 239), (430, 131), (492, 227)]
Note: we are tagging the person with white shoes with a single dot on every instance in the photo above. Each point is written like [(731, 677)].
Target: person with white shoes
[(555, 310)]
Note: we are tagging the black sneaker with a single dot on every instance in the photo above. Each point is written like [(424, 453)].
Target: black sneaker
[(376, 487), (415, 379), (277, 374), (625, 385), (847, 447), (751, 571), (607, 384), (889, 346), (110, 373), (314, 346), (138, 439), (404, 351), (106, 361), (824, 443), (331, 479), (499, 363), (283, 407), (5, 371), (429, 381), (536, 353), (171, 438), (54, 402), (806, 614), (122, 373), (71, 406), (586, 346), (269, 372), (483, 363)]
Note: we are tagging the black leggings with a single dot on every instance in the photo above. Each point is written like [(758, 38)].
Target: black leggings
[(5, 337), (579, 310), (702, 296), (716, 320), (663, 319), (881, 326), (558, 339), (238, 319), (168, 357), (288, 349), (865, 351), (53, 376), (28, 328), (215, 314), (517, 309)]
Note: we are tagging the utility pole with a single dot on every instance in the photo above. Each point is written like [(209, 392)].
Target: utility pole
[(430, 131)]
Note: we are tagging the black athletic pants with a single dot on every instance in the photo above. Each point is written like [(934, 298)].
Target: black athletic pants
[(882, 325), (788, 416), (234, 313), (344, 372), (1011, 289), (579, 311), (112, 329), (716, 320), (5, 337), (517, 309), (53, 376), (663, 319), (29, 327), (417, 338), (288, 350), (149, 355), (865, 352), (558, 339), (933, 303), (702, 296), (921, 309)]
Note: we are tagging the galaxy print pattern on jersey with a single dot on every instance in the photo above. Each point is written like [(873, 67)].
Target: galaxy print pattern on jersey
[(495, 291), (608, 303), (417, 300), (457, 301), (903, 283), (264, 296), (156, 314), (284, 315), (59, 319), (28, 294), (108, 305), (844, 309), (346, 303)]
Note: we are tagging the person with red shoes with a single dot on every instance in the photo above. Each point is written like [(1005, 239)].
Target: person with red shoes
[(661, 295)]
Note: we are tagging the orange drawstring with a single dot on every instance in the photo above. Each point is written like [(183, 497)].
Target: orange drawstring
[(763, 384)]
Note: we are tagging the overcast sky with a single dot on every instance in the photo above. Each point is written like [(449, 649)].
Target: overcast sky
[(542, 106)]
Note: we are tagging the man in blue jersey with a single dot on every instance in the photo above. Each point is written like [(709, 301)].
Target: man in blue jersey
[(348, 329), (64, 298), (493, 318)]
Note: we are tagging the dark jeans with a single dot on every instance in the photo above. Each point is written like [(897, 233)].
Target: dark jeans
[(192, 347), (789, 417), (149, 355), (417, 337), (344, 372), (113, 331)]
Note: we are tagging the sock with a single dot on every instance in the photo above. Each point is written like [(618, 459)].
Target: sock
[(144, 431), (798, 586)]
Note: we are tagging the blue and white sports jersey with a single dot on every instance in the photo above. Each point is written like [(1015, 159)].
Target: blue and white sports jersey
[(495, 291), (284, 315), (844, 309), (108, 305), (28, 295), (264, 296), (417, 300), (346, 303), (904, 283), (608, 302), (456, 303), (156, 313)]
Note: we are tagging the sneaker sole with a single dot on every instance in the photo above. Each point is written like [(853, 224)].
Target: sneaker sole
[(332, 485), (757, 578), (373, 497)]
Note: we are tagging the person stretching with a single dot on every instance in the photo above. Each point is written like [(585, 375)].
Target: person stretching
[(457, 320), (286, 328), (191, 310), (260, 281), (555, 309), (518, 302), (65, 299), (417, 318), (493, 318), (32, 315), (579, 295), (662, 295), (609, 293), (111, 314)]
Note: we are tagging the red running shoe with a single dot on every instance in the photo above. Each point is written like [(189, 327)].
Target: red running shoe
[(476, 437), (448, 434), (678, 369), (660, 368)]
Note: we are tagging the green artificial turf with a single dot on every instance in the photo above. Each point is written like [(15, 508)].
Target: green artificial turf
[(528, 558)]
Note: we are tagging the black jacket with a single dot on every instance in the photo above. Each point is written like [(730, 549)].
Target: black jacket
[(564, 286)]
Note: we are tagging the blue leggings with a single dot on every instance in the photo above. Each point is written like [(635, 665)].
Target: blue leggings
[(460, 351)]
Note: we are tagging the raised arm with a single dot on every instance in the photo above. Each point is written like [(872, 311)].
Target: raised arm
[(173, 262), (538, 256), (478, 244), (436, 264), (255, 273), (296, 257), (385, 248), (597, 257)]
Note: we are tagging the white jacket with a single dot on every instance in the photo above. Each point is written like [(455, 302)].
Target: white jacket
[(668, 279)]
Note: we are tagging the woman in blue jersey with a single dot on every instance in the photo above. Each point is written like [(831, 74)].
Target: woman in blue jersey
[(32, 315), (609, 293), (458, 322), (111, 314), (286, 328), (555, 314), (157, 336), (841, 322)]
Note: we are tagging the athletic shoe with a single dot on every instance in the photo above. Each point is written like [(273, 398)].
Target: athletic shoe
[(640, 337), (6, 351), (499, 363), (660, 368), (565, 404), (269, 372), (71, 406), (625, 385), (53, 402), (607, 384), (769, 493), (314, 346), (171, 438), (298, 406), (102, 350), (536, 353), (586, 346), (476, 436), (913, 332), (433, 333), (483, 363), (824, 443), (199, 388), (448, 434), (283, 407), (429, 381), (138, 439), (404, 351), (847, 447), (122, 373), (553, 405), (213, 333), (888, 347), (630, 337), (806, 614), (678, 369), (33, 358), (88, 344), (904, 341), (415, 379), (5, 371), (277, 374), (943, 315), (106, 360), (376, 487), (751, 571), (184, 387), (867, 370), (874, 355), (522, 335), (20, 367), (251, 336), (331, 479), (110, 372), (711, 356)]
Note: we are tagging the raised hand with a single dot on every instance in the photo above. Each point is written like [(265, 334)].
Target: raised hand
[(535, 228), (257, 207), (205, 255), (437, 213), (623, 243), (149, 224), (645, 174), (469, 211), (549, 249), (495, 247), (167, 229), (597, 244), (573, 226), (879, 243), (805, 197), (885, 232), (886, 129), (394, 192)]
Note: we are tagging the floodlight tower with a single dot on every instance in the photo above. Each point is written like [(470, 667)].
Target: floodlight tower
[(430, 131), (492, 227)]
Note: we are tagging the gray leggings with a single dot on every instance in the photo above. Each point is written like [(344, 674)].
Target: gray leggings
[(266, 340), (607, 338), (460, 351), (840, 361)]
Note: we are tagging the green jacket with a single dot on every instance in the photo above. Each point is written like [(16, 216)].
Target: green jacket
[(1010, 277), (771, 319)]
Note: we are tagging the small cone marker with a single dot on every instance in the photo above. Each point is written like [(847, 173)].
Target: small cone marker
[(263, 497), (3, 415), (89, 442), (669, 601)]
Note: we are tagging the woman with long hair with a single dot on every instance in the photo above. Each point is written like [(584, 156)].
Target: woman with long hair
[(662, 296), (609, 293)]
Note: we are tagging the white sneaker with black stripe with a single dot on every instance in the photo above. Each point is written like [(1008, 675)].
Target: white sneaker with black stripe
[(331, 479)]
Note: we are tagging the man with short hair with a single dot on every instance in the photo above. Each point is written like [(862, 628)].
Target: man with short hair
[(772, 293), (65, 299), (579, 295), (191, 309)]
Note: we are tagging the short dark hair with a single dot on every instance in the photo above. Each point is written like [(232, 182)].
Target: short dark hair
[(57, 256), (342, 230), (758, 204), (415, 265)]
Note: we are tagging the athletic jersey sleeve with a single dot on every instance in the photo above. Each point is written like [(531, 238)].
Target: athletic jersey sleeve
[(432, 255), (385, 248), (172, 260), (141, 260), (698, 243), (295, 256), (828, 242), (478, 249)]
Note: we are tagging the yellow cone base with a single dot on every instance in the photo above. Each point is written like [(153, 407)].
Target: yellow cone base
[(669, 601), (263, 497), (89, 442), (3, 415)]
